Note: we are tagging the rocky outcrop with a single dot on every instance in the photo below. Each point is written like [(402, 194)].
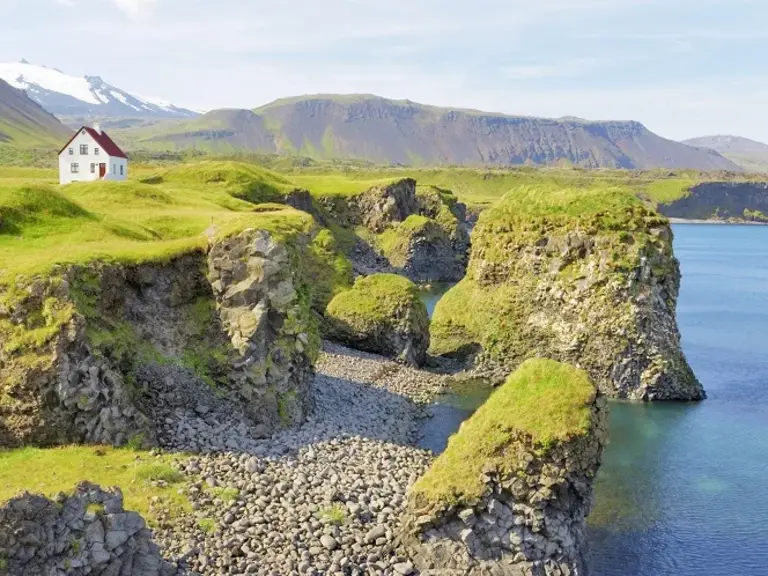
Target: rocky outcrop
[(418, 231), (76, 344), (87, 532), (381, 313), (260, 310), (722, 201), (587, 278), (510, 494)]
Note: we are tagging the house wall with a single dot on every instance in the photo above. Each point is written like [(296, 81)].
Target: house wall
[(84, 162)]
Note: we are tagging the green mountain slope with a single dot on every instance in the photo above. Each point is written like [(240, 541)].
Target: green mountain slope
[(392, 131), (749, 154), (24, 123)]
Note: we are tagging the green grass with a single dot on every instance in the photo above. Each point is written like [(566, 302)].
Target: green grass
[(207, 525), (374, 299), (335, 514), (543, 402), (226, 494), (42, 224), (48, 471), (337, 184)]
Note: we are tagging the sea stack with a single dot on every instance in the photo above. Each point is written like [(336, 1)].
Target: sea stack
[(510, 494), (584, 276)]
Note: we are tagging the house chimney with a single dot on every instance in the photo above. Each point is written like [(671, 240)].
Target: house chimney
[(97, 127)]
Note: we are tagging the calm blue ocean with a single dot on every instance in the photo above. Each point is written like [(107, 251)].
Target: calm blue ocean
[(684, 487)]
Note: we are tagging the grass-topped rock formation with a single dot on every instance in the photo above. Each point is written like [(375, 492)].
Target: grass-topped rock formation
[(583, 276), (381, 313), (722, 201), (511, 491), (163, 289), (396, 225)]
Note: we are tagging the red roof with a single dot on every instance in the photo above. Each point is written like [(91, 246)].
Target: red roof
[(103, 140)]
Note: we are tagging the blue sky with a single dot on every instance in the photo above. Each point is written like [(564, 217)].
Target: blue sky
[(682, 67)]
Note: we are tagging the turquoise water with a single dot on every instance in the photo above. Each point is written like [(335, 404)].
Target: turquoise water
[(684, 487)]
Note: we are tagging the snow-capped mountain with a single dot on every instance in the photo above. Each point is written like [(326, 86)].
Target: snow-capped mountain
[(66, 95)]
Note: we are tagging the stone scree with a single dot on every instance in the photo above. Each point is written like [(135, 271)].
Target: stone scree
[(530, 521), (76, 393), (88, 532)]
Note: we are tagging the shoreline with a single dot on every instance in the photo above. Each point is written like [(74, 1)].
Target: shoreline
[(717, 222)]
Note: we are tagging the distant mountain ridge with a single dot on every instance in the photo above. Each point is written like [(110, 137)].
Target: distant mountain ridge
[(372, 128), (749, 154), (24, 123), (87, 96)]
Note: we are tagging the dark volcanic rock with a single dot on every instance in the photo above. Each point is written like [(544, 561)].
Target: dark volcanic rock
[(88, 532)]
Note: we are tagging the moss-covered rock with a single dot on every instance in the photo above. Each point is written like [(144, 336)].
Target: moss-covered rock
[(418, 231), (381, 313), (586, 277), (511, 491), (237, 316)]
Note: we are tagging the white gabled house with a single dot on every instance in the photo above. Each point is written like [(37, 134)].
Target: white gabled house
[(91, 155)]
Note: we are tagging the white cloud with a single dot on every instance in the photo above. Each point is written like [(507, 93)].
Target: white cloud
[(136, 8)]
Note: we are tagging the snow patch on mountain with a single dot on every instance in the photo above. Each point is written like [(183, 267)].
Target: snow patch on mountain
[(25, 76), (66, 95)]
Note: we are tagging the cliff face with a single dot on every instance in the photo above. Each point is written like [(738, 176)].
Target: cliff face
[(739, 201), (101, 353), (510, 494), (390, 131), (418, 231), (587, 278)]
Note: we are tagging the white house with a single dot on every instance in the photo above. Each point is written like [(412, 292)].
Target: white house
[(91, 155)]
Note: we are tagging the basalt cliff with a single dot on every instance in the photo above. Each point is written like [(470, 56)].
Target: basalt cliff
[(585, 277), (99, 353)]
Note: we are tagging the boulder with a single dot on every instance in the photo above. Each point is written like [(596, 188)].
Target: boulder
[(87, 532), (584, 276), (510, 494), (383, 314)]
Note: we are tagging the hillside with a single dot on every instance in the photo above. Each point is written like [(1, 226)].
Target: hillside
[(24, 123), (388, 131), (749, 154)]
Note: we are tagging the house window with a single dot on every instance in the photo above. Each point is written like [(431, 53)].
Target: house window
[(75, 168), (93, 168), (84, 149), (114, 169), (121, 169), (96, 151), (71, 151)]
